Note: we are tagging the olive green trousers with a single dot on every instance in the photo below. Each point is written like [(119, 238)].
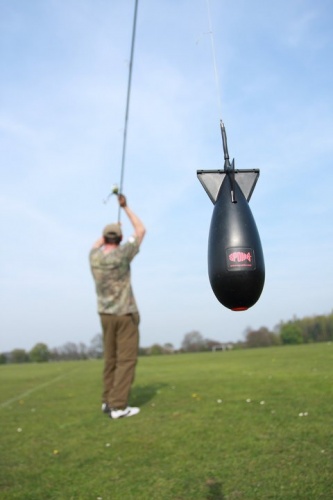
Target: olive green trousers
[(121, 341)]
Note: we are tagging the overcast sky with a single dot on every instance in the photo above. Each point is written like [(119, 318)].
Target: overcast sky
[(63, 83)]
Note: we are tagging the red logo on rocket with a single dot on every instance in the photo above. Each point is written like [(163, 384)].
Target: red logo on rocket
[(240, 257)]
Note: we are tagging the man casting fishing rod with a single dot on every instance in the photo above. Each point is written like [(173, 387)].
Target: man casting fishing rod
[(110, 267)]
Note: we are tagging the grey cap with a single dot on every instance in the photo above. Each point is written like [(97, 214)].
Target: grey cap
[(112, 229)]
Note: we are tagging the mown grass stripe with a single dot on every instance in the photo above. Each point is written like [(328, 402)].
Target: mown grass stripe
[(34, 389)]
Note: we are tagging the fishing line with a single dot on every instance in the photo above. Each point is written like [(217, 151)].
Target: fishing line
[(227, 165), (212, 41)]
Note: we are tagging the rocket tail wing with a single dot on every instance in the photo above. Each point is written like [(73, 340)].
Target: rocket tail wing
[(212, 180)]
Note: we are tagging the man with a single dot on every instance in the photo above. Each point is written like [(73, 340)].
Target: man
[(110, 266)]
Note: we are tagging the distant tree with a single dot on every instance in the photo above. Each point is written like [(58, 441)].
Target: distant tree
[(312, 329), (143, 351), (291, 333), (261, 338), (3, 359), (83, 350), (55, 354), (239, 345), (156, 349), (320, 329), (19, 356), (70, 351), (96, 346), (193, 342), (330, 326), (39, 353), (317, 329), (168, 348), (209, 344)]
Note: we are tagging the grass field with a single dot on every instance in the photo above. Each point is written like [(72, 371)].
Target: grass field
[(251, 424)]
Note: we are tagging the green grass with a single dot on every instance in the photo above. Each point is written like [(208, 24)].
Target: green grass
[(185, 443)]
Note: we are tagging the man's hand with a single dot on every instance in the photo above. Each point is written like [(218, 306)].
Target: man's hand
[(122, 201)]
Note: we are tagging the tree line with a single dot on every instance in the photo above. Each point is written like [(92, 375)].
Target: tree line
[(67, 352), (295, 331)]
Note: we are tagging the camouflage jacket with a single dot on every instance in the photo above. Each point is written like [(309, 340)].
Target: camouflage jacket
[(112, 275)]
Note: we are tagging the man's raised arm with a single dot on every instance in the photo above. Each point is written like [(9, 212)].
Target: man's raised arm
[(139, 228)]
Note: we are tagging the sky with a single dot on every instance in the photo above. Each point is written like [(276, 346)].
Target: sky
[(264, 68)]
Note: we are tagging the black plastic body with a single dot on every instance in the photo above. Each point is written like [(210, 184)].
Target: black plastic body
[(236, 265)]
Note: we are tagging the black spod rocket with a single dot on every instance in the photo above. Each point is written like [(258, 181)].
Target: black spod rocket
[(236, 265)]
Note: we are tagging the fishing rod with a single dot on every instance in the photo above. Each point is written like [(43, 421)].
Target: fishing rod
[(115, 189)]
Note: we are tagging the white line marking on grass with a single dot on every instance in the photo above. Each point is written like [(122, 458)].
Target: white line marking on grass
[(34, 389)]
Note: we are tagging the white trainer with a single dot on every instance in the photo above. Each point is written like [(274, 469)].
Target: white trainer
[(130, 411)]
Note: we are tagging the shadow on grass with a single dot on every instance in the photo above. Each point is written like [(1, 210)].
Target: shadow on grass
[(142, 394), (214, 490)]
